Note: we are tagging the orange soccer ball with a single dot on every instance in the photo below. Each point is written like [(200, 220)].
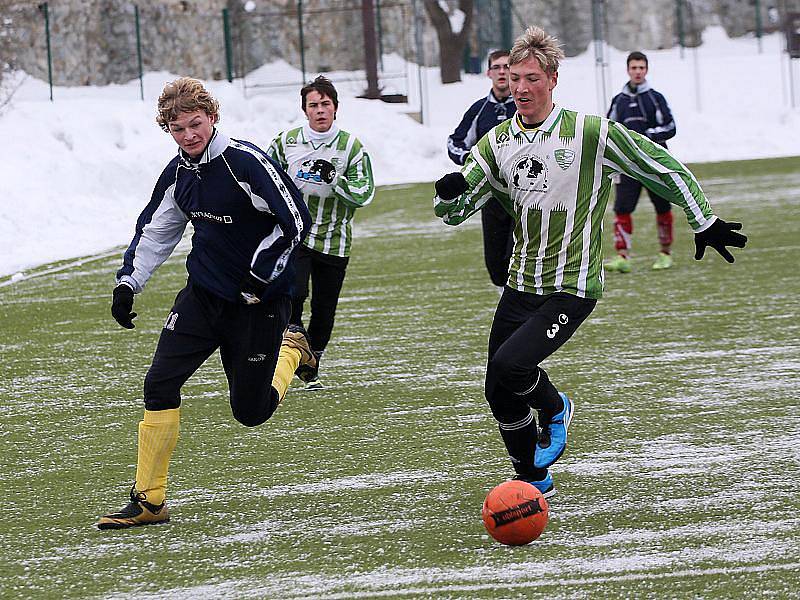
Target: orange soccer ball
[(515, 513)]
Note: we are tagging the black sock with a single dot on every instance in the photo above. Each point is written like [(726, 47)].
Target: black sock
[(521, 445), (544, 397)]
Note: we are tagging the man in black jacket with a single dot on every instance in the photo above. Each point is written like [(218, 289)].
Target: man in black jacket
[(483, 115), (641, 109), (248, 219)]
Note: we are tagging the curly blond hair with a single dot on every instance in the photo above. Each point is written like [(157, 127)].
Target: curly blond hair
[(185, 94), (537, 43)]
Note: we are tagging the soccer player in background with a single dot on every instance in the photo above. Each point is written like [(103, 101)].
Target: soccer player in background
[(485, 113), (333, 172), (643, 110), (249, 220), (550, 167)]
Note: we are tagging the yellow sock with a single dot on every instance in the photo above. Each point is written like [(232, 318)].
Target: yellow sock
[(158, 435), (288, 361)]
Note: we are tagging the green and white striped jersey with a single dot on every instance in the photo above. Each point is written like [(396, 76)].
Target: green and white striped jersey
[(332, 204), (555, 181)]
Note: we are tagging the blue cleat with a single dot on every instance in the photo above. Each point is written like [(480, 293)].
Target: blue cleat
[(553, 436), (546, 485)]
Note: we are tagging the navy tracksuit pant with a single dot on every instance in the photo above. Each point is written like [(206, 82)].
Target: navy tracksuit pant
[(248, 337)]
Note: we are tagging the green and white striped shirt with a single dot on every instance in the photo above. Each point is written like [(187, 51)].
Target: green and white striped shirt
[(332, 205), (555, 181)]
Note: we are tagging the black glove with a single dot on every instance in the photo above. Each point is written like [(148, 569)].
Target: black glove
[(122, 305), (451, 186), (251, 289), (325, 169), (719, 235)]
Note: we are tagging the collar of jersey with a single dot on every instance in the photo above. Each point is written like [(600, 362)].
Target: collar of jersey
[(494, 99), (549, 124), (325, 140), (640, 89), (219, 141)]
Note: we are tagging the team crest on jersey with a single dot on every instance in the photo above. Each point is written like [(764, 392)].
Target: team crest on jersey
[(564, 157), (317, 171), (307, 173), (529, 174)]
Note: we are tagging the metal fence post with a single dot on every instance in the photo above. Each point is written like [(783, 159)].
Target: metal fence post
[(758, 25), (45, 11), (139, 50), (598, 33), (226, 28), (505, 23), (420, 59), (679, 19), (302, 42)]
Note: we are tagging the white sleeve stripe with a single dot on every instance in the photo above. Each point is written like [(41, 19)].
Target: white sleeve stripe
[(632, 166), (460, 152), (676, 178), (662, 128), (687, 195), (280, 264), (266, 243), (158, 239), (353, 188), (651, 162), (358, 157), (258, 202)]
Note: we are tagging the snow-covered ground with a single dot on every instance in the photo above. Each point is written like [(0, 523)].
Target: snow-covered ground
[(75, 173)]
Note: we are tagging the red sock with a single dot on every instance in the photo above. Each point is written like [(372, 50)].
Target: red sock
[(623, 230), (664, 224)]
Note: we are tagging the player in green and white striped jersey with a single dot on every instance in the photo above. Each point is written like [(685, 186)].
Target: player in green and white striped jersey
[(333, 171), (550, 168)]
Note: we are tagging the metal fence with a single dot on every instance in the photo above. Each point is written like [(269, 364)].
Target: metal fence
[(81, 45), (117, 41), (328, 40)]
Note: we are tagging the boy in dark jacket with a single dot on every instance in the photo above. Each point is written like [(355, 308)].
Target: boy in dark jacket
[(483, 115), (641, 109), (248, 219)]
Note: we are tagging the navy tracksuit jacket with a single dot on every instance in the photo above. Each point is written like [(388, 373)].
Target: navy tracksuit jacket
[(644, 111), (482, 116), (246, 212)]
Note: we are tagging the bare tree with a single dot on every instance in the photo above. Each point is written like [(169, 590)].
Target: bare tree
[(452, 29)]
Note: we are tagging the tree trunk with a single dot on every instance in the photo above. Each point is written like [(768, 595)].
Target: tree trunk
[(451, 44), (451, 52)]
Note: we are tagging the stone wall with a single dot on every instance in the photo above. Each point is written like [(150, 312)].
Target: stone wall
[(94, 41)]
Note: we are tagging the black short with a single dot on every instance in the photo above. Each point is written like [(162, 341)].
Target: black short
[(627, 197), (527, 328), (326, 273)]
